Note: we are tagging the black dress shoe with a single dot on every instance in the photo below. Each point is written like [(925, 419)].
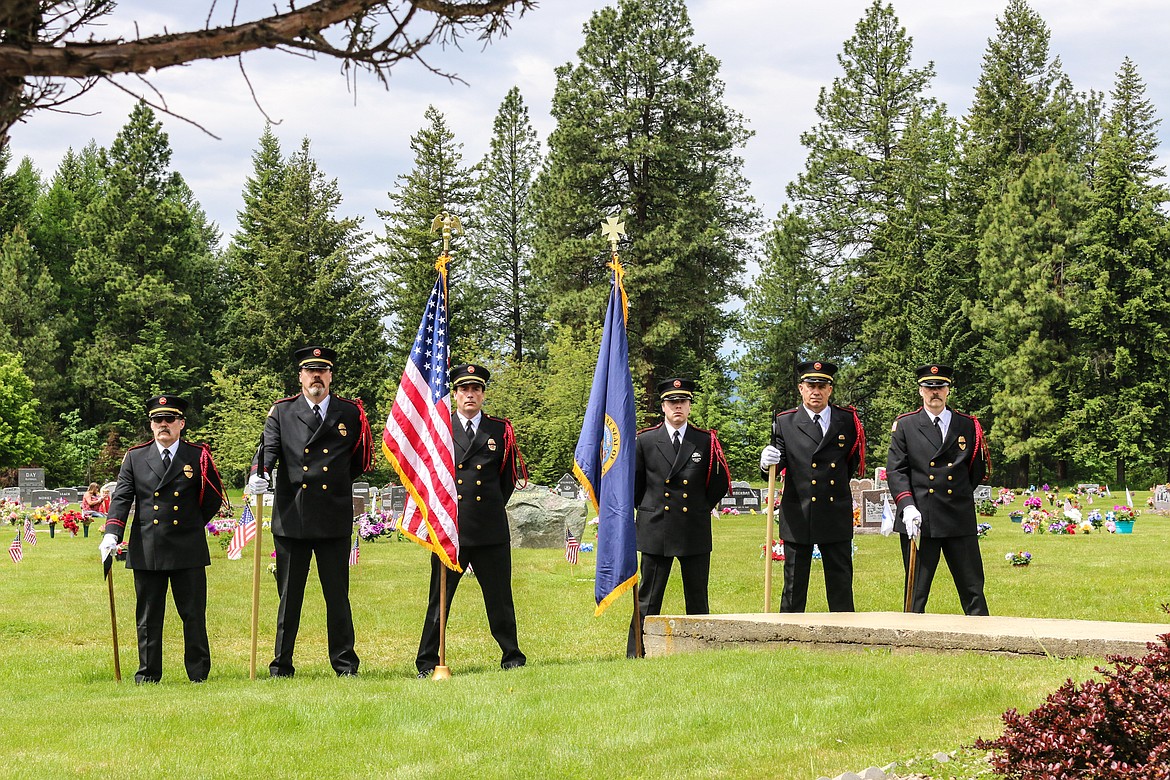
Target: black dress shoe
[(425, 673), (512, 665)]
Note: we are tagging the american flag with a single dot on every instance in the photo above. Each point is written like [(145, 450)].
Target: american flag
[(245, 532), (30, 536), (15, 550), (354, 552), (417, 439), (571, 547)]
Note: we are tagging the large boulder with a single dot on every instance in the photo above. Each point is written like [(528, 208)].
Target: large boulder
[(538, 517)]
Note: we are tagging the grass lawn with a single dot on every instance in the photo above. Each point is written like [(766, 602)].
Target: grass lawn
[(579, 709)]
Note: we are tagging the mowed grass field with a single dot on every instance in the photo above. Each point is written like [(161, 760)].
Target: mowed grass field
[(579, 709)]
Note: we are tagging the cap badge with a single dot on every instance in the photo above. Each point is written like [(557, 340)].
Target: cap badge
[(934, 369), (817, 366), (162, 401), (316, 353), (677, 383), (471, 369)]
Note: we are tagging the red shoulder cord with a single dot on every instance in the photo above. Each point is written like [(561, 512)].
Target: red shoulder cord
[(206, 464), (717, 458), (365, 438), (512, 452), (860, 443), (981, 446)]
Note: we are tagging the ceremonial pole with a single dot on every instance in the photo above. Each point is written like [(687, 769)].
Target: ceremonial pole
[(769, 535), (448, 223), (259, 521), (108, 565), (910, 575)]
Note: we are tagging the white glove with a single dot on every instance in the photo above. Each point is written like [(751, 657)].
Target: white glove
[(770, 457), (109, 543), (257, 484), (911, 518)]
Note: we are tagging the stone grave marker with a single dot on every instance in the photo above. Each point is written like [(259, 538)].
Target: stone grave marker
[(361, 497), (394, 499), (871, 510), (982, 493), (1162, 498), (747, 498), (567, 487)]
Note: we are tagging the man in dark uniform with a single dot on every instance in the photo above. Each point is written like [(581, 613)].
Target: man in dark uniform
[(175, 489), (937, 457), (322, 443), (680, 475), (488, 465), (818, 446)]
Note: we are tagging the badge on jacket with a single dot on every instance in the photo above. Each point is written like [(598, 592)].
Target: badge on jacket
[(962, 442), (491, 444), (188, 472), (696, 456), (341, 429)]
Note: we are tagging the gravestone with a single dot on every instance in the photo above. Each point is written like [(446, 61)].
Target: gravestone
[(859, 486), (1162, 498), (10, 494), (42, 497), (1091, 489), (879, 478), (871, 510), (361, 497), (742, 497), (29, 481), (567, 487), (982, 493), (394, 499)]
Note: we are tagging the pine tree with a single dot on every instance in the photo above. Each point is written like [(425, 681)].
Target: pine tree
[(305, 276), (1028, 257), (1120, 387), (146, 261), (438, 182), (20, 424), (643, 132), (507, 304), (29, 317)]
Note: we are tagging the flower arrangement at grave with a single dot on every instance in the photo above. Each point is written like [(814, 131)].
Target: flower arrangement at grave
[(1062, 527), (1005, 497), (1019, 558), (1033, 502), (374, 525), (986, 507), (777, 550), (70, 521), (1095, 519), (982, 529), (856, 515), (12, 511), (729, 510), (223, 529), (1123, 512), (1037, 521)]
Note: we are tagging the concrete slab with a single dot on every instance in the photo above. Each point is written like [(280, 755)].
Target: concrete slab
[(667, 634)]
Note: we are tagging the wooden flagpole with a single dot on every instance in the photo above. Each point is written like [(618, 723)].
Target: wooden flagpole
[(442, 672), (910, 575), (258, 516), (114, 623), (771, 539)]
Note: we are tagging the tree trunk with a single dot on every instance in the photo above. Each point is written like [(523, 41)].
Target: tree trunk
[(1120, 471)]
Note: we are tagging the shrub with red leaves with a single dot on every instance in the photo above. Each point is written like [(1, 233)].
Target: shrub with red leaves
[(1115, 729)]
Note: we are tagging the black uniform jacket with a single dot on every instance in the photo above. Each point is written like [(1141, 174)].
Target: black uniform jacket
[(676, 493), (940, 481), (314, 483), (817, 505), (171, 509), (486, 472)]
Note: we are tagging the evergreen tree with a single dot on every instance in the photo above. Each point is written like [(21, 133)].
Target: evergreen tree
[(506, 302), (235, 418), (301, 275), (643, 132), (438, 182), (29, 317), (20, 424), (1027, 259), (1120, 386), (18, 194), (145, 262)]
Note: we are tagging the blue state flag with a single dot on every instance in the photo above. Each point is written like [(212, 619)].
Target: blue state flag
[(604, 459)]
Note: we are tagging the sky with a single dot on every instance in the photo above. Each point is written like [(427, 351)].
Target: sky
[(776, 55)]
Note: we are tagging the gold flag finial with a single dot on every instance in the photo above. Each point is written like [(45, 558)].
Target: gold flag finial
[(613, 232), (448, 223)]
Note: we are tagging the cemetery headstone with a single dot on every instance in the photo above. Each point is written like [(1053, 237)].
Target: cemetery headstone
[(361, 495), (394, 499), (1162, 498), (567, 487), (982, 493), (871, 510)]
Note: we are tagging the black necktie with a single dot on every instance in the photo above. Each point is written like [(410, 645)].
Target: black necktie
[(316, 416), (938, 429), (818, 434), (677, 440), (166, 460), (470, 431)]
